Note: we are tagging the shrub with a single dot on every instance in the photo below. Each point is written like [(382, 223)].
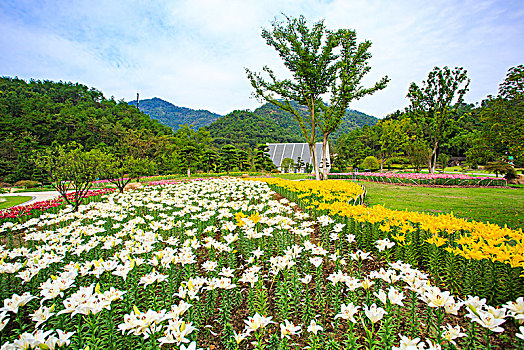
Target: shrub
[(28, 184), (511, 174), (370, 163), (500, 168)]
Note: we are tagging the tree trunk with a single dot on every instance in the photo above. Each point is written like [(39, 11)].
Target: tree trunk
[(382, 164), (324, 157), (434, 158), (311, 142), (189, 171), (314, 161)]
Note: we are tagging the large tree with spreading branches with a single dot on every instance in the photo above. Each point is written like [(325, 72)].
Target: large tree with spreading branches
[(323, 64)]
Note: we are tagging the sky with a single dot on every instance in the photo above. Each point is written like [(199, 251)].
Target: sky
[(194, 53)]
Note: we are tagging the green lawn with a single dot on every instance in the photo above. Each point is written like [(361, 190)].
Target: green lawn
[(13, 200), (292, 176), (497, 205)]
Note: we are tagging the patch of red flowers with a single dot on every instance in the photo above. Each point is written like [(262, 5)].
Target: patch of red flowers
[(24, 210)]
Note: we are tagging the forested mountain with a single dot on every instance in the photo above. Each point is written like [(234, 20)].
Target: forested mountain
[(352, 120), (268, 123), (271, 123), (174, 116), (247, 129), (36, 114)]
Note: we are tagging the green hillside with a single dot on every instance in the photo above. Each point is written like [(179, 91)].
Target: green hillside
[(352, 120), (174, 116), (247, 129), (36, 114), (269, 123)]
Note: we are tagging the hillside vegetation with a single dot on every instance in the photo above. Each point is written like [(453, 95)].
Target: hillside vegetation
[(174, 116), (244, 128), (247, 129), (269, 123), (352, 120), (36, 114)]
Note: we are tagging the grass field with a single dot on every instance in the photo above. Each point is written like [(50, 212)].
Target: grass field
[(11, 201), (292, 176), (502, 206)]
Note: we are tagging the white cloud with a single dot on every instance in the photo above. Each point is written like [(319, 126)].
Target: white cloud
[(193, 53)]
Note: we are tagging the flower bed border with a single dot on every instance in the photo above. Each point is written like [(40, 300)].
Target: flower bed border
[(419, 179)]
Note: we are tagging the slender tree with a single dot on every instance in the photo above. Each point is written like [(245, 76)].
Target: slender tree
[(393, 138), (122, 169), (262, 160), (228, 157), (418, 153), (190, 145), (73, 169), (299, 164), (242, 159), (188, 155), (309, 55), (352, 65), (287, 164), (434, 102), (209, 158)]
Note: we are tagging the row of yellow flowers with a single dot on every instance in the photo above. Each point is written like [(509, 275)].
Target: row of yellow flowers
[(454, 250), (477, 240), (332, 191)]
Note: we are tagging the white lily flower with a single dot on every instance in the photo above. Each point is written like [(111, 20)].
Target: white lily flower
[(374, 313), (255, 322), (452, 333), (348, 312), (314, 327), (288, 328)]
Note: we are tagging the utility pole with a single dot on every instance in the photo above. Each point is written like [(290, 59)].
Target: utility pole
[(137, 97)]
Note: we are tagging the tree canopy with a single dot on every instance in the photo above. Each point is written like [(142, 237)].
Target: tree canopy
[(72, 168), (322, 63), (433, 101), (39, 114), (503, 116), (308, 54)]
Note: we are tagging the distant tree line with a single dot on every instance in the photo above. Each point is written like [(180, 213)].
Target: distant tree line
[(40, 117), (424, 136)]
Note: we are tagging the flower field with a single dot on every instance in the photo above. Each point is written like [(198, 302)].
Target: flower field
[(43, 206), (229, 264), (313, 193), (454, 250), (424, 179)]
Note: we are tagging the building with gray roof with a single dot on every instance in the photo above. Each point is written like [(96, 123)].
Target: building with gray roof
[(280, 151)]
